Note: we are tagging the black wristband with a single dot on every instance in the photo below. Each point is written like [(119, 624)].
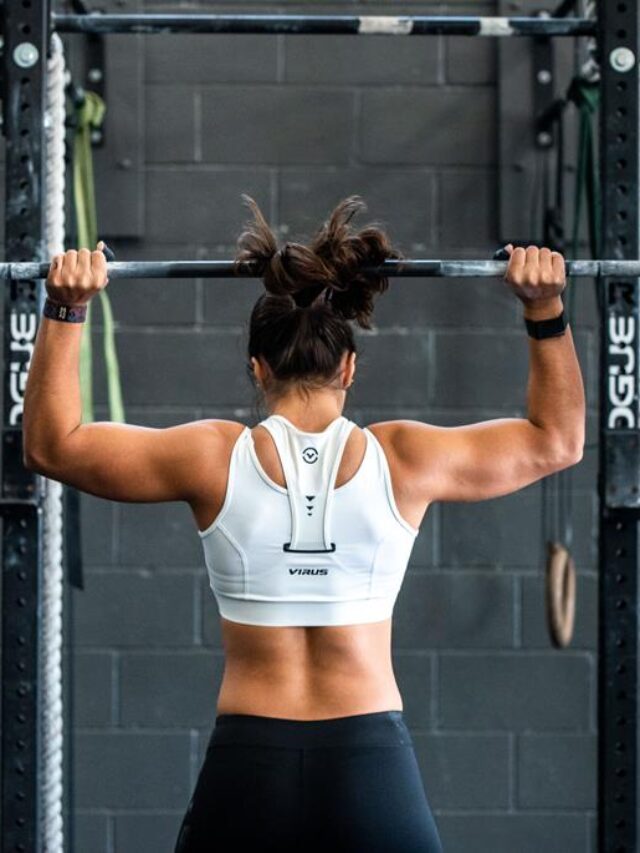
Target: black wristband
[(553, 328), (67, 313)]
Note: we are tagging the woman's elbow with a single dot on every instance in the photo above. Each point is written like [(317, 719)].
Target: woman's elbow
[(571, 453)]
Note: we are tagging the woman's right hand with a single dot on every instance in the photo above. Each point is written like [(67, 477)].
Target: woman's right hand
[(536, 276), (77, 275)]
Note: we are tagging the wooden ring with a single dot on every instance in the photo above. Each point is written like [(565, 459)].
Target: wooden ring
[(560, 594)]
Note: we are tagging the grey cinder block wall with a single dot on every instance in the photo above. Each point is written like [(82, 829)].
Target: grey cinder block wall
[(503, 724)]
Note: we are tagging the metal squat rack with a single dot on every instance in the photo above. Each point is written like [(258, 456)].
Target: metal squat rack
[(26, 28)]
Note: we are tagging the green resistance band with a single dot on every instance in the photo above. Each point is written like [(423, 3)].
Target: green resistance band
[(89, 116)]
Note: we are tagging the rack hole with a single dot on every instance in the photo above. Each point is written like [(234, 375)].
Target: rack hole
[(622, 240), (26, 29), (621, 112), (621, 86), (621, 163), (622, 34), (622, 7), (24, 131), (622, 137), (26, 4)]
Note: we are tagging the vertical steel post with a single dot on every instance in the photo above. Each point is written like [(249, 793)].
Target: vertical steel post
[(25, 31), (619, 476)]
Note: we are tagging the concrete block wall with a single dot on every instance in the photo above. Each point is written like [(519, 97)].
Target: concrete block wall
[(504, 726)]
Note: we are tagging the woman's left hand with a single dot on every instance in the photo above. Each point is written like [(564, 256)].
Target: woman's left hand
[(77, 275)]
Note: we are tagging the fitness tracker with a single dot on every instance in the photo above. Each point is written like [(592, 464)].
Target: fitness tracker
[(540, 329)]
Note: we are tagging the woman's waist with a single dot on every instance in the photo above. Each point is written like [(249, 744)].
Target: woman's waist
[(383, 728), (307, 693)]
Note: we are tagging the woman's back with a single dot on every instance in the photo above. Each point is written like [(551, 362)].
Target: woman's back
[(307, 671)]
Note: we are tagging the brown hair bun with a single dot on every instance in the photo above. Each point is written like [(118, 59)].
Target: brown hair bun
[(333, 259)]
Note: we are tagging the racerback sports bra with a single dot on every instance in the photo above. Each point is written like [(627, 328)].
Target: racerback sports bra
[(308, 554)]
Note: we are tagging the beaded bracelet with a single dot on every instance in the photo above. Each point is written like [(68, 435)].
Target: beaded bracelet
[(66, 313)]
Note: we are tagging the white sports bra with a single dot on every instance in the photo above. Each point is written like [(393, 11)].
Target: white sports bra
[(310, 554)]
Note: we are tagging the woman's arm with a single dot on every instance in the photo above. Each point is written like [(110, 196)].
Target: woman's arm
[(114, 461), (497, 457), (52, 407)]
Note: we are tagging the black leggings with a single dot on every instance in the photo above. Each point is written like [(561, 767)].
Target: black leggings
[(345, 785)]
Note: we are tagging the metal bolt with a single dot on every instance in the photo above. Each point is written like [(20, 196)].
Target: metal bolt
[(544, 139), (622, 59), (125, 163), (544, 77), (96, 136), (94, 75), (25, 55)]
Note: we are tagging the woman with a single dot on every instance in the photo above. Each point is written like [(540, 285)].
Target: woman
[(307, 523)]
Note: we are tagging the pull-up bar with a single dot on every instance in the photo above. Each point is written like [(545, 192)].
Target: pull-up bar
[(403, 25), (406, 268)]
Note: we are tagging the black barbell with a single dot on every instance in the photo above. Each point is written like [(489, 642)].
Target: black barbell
[(415, 268)]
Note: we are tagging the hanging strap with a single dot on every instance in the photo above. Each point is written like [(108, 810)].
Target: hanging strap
[(310, 463), (586, 96)]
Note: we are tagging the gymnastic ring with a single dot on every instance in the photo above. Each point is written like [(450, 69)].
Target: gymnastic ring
[(560, 594)]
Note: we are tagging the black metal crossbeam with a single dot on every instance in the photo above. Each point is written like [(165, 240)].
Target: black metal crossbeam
[(403, 25), (407, 268)]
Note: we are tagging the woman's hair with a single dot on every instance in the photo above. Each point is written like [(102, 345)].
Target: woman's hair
[(300, 326)]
